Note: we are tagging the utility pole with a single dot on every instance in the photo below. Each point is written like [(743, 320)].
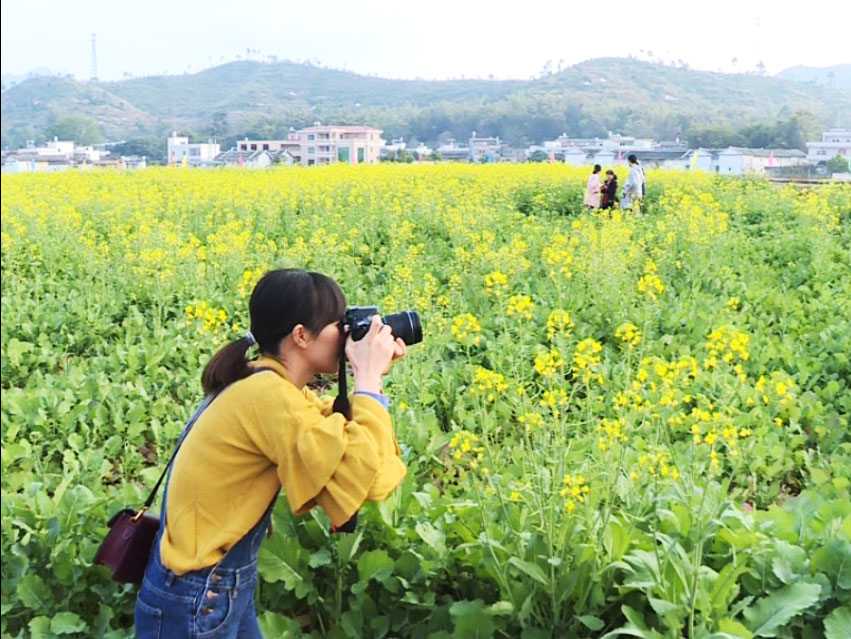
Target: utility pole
[(94, 73)]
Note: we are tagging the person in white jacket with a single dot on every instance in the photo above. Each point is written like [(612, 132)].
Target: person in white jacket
[(633, 189)]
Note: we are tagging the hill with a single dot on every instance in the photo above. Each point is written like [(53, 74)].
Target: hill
[(837, 76), (586, 99)]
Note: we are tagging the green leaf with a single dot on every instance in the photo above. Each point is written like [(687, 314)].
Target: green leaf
[(275, 625), (33, 593), (834, 560), (591, 622), (837, 625), (530, 569), (636, 626), (735, 628), (432, 536), (501, 608), (616, 540), (662, 607), (789, 564), (769, 613), (40, 628), (279, 559), (472, 621), (375, 564), (321, 557), (352, 623), (66, 623), (15, 350)]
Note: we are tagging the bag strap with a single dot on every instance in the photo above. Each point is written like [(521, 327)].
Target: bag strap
[(207, 400)]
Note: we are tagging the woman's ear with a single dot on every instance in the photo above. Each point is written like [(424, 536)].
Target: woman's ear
[(299, 336)]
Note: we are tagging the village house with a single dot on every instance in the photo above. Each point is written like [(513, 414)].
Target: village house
[(739, 161), (55, 155), (322, 145), (453, 152), (249, 159), (181, 151), (485, 149), (833, 142), (291, 143), (315, 145)]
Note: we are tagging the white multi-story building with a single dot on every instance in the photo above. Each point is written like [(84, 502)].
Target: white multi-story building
[(833, 142), (481, 149), (180, 151)]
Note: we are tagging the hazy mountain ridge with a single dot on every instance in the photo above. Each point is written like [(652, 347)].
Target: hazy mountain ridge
[(633, 96), (837, 76)]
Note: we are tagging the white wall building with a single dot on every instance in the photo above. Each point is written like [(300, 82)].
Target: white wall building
[(178, 148), (833, 142), (616, 142), (739, 161), (575, 156), (603, 158)]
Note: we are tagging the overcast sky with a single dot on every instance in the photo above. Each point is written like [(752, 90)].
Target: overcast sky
[(427, 39)]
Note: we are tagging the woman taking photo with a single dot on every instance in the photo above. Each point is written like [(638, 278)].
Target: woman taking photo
[(262, 430)]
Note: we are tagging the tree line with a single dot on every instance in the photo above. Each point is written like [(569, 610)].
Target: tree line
[(519, 121)]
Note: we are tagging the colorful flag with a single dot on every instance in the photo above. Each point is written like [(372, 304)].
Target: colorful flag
[(771, 159), (241, 160), (620, 157), (552, 157), (353, 156), (694, 160), (185, 161)]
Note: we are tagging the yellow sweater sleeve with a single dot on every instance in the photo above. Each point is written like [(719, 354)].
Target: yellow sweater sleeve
[(336, 463), (343, 495)]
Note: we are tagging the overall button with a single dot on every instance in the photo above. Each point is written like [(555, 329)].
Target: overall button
[(215, 578), (211, 594), (206, 610)]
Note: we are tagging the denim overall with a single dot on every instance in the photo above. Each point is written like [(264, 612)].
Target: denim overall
[(211, 603)]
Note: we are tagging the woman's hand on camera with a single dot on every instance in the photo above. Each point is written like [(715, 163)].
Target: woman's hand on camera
[(372, 356), (400, 352)]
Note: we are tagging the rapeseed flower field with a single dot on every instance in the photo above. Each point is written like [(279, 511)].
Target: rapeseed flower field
[(617, 424)]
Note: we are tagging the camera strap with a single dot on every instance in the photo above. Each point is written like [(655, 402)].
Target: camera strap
[(341, 403)]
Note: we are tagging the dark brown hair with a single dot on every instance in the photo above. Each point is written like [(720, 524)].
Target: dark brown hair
[(282, 299)]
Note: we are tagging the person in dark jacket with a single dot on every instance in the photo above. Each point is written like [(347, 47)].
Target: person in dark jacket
[(610, 190)]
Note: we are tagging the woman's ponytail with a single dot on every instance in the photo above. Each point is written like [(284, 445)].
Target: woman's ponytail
[(227, 366)]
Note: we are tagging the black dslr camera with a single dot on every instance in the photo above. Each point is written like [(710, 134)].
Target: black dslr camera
[(405, 324)]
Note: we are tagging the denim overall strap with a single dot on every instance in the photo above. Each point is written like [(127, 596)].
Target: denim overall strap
[(207, 401), (244, 553)]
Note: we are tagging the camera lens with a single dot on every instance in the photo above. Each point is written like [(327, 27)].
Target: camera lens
[(405, 325)]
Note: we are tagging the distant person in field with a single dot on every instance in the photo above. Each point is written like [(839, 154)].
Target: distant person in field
[(610, 190), (633, 189), (592, 190), (262, 430)]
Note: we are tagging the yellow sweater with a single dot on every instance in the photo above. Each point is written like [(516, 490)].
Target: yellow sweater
[(263, 433)]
